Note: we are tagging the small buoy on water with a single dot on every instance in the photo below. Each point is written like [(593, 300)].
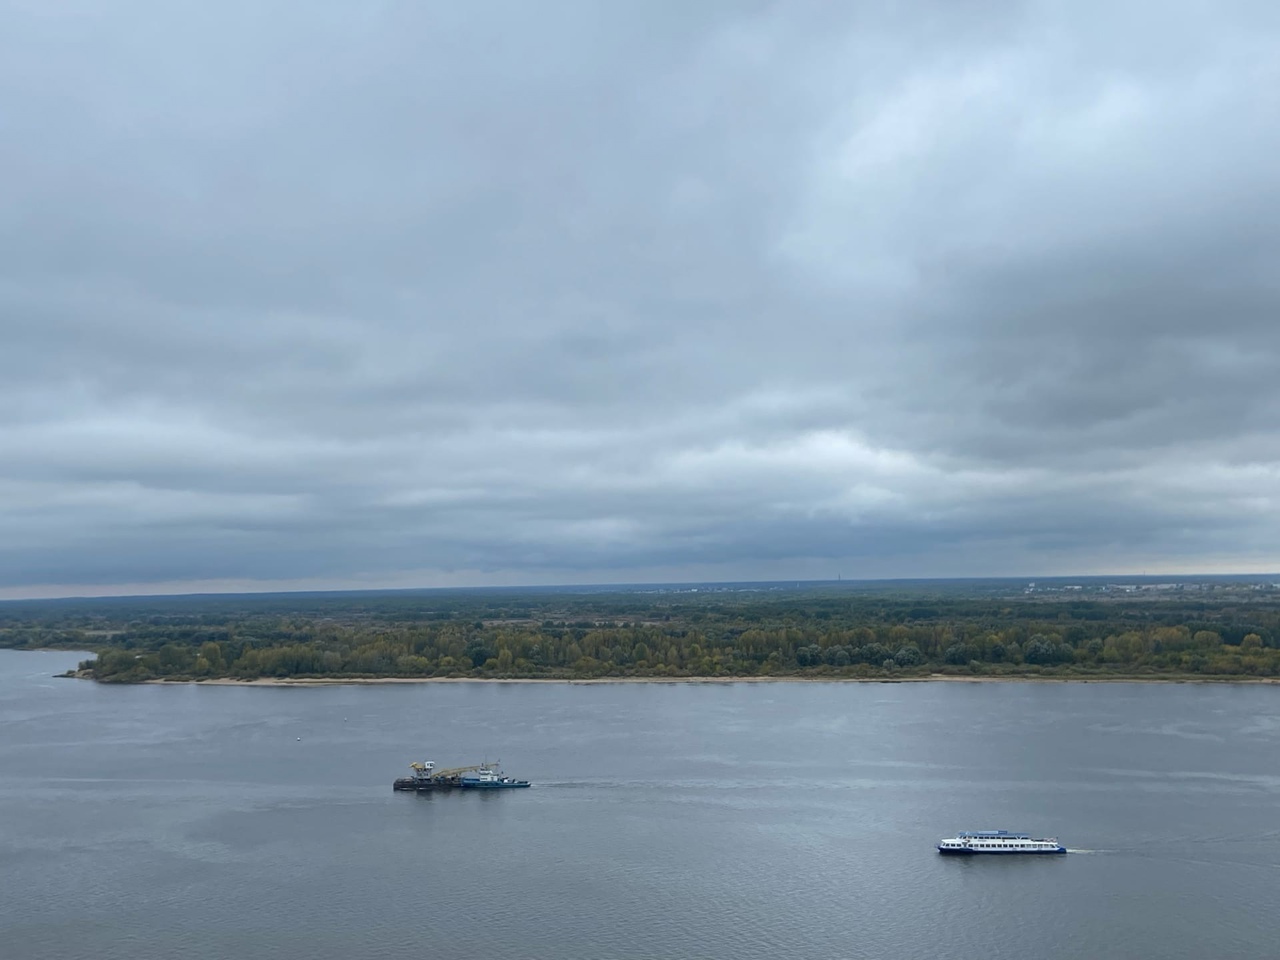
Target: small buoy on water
[(299, 738)]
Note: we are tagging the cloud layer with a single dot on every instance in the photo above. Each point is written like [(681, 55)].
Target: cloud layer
[(415, 294)]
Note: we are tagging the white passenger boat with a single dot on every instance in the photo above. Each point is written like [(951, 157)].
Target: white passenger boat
[(972, 842)]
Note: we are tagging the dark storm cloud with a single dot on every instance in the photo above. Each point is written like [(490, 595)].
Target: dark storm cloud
[(404, 293)]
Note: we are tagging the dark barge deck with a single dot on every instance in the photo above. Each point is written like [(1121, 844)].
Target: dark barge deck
[(425, 785)]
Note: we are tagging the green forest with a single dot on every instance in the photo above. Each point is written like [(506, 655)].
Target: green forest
[(820, 633)]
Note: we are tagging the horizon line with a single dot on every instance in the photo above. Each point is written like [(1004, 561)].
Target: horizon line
[(633, 584)]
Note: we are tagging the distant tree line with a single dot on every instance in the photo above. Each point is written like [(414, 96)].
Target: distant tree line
[(630, 637)]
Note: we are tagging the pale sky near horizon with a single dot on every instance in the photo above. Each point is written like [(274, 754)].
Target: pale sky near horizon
[(324, 295)]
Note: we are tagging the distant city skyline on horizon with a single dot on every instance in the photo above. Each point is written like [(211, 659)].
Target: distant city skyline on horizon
[(250, 587)]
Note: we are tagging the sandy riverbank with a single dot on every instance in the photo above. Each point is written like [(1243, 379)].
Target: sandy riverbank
[(931, 678)]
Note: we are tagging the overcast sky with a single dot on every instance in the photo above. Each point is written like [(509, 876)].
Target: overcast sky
[(321, 294)]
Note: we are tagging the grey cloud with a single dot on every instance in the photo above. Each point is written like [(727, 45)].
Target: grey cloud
[(406, 293)]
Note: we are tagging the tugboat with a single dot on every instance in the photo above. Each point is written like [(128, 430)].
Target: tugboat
[(489, 777), (972, 842)]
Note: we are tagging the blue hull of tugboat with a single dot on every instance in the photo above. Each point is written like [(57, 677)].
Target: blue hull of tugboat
[(482, 785)]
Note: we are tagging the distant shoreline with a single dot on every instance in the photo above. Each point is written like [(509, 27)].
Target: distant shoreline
[(931, 678), (1172, 678)]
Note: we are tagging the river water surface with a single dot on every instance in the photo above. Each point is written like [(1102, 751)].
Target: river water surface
[(666, 821)]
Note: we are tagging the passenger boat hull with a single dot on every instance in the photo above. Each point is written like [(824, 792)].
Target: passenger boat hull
[(966, 852)]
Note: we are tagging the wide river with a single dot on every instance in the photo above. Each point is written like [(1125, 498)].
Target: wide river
[(665, 821)]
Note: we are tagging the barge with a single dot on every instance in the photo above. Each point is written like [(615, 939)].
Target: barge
[(426, 777)]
